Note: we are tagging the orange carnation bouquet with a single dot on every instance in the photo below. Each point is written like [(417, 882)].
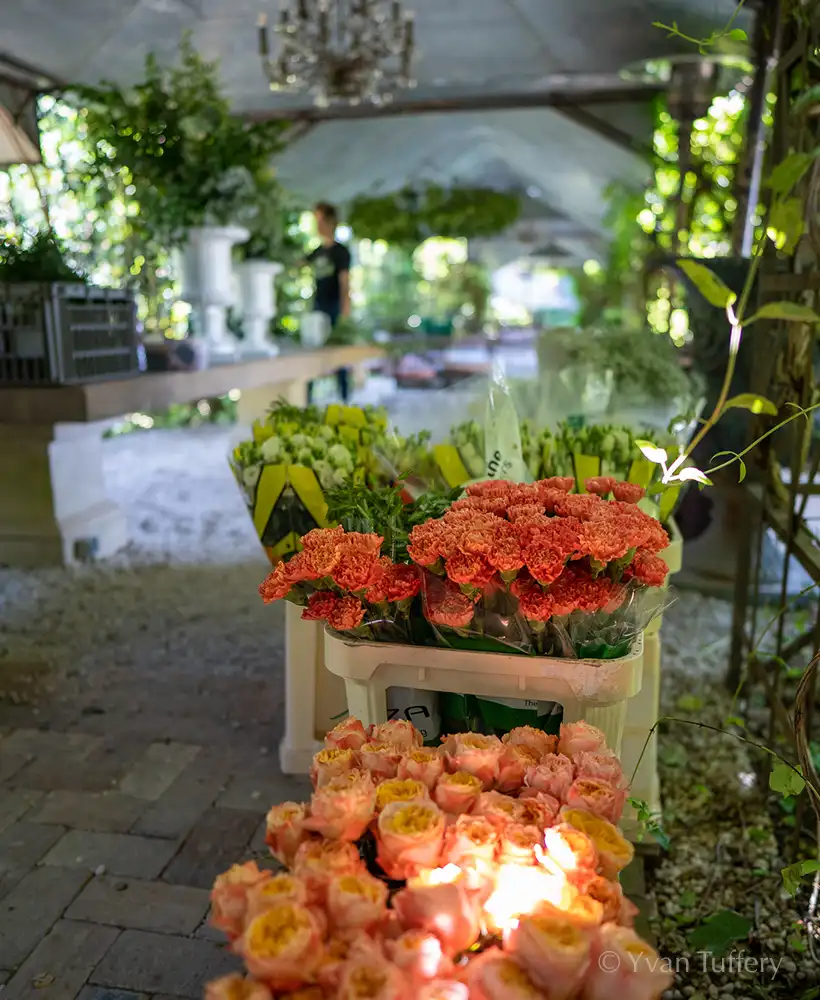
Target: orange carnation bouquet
[(536, 568)]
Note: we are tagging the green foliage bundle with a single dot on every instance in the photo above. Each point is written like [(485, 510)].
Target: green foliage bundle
[(413, 214), (43, 259), (272, 237), (174, 144), (643, 363)]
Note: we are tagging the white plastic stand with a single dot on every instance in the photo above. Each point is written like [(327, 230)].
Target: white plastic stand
[(594, 690), (314, 698), (207, 279), (257, 301), (644, 709)]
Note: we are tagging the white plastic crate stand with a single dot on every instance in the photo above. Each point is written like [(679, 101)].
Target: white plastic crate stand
[(644, 709), (314, 697), (595, 690)]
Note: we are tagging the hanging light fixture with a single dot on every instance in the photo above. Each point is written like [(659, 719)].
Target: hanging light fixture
[(340, 51)]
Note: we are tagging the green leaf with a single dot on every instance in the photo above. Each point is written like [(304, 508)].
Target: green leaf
[(652, 451), (789, 171), (695, 476), (737, 35), (707, 283), (690, 703), (792, 312), (786, 218), (750, 401), (688, 899), (734, 720), (719, 931), (794, 874), (786, 780)]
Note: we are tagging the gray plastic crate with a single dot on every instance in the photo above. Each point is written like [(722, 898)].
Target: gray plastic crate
[(61, 332)]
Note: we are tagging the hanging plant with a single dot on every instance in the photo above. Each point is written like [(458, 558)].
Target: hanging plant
[(413, 214)]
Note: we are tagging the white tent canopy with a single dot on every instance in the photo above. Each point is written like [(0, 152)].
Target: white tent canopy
[(466, 49)]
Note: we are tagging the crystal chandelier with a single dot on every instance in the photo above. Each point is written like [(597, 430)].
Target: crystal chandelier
[(352, 51)]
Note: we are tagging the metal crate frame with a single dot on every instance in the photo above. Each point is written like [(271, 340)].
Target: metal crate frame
[(61, 314)]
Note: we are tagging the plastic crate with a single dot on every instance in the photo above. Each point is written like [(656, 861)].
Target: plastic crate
[(62, 332), (595, 690)]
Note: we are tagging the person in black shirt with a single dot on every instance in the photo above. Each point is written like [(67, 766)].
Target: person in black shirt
[(331, 267)]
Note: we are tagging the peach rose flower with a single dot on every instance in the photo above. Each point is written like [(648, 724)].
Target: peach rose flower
[(472, 841), (532, 737), (423, 764), (448, 910), (399, 790), (570, 850), (419, 955), (236, 987), (579, 909), (614, 852), (579, 737), (458, 792), (496, 976), (600, 766), (554, 952), (349, 734), (282, 946), (553, 775), (598, 798), (399, 732), (279, 888), (476, 754), (356, 900), (409, 836), (229, 896), (285, 830), (537, 808), (318, 861), (512, 766), (499, 809), (518, 844), (617, 908), (340, 948), (331, 763), (373, 979), (443, 989), (381, 759), (342, 809), (624, 965)]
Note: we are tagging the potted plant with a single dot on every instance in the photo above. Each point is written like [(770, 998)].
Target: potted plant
[(191, 169)]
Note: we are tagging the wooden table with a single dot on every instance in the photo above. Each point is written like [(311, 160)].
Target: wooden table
[(54, 509)]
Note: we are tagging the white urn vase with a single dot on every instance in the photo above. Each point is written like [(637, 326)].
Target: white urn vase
[(207, 278), (257, 304)]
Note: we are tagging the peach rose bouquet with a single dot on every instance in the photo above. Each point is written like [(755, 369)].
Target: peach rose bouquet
[(482, 870)]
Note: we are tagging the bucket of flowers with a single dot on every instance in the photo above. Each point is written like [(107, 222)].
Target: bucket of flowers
[(533, 589), (297, 454), (482, 869)]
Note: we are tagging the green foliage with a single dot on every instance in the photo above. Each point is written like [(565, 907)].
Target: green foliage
[(643, 363), (708, 284), (751, 401), (791, 312), (174, 142), (719, 931), (272, 231), (786, 779), (43, 259), (794, 874), (413, 214), (649, 822)]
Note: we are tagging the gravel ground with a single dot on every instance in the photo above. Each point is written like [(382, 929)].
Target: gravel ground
[(168, 639)]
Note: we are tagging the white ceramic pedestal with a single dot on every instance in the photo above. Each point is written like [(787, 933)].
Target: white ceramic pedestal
[(207, 278), (257, 302)]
